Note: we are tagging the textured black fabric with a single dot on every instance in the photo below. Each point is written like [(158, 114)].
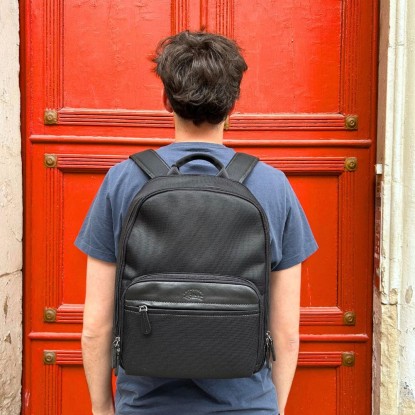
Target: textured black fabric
[(189, 225), (192, 346), (220, 235)]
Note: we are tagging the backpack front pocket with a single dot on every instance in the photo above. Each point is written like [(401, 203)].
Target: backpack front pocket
[(191, 326)]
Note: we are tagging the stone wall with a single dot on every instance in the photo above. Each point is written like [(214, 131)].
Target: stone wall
[(394, 311), (11, 216)]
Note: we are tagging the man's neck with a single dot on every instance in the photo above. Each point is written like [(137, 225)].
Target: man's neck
[(186, 131)]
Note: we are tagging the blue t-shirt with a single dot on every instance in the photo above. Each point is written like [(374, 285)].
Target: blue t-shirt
[(291, 243)]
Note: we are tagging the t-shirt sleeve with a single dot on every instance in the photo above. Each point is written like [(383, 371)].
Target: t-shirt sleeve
[(297, 242), (96, 237)]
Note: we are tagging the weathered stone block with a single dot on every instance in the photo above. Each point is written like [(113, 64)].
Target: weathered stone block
[(10, 343)]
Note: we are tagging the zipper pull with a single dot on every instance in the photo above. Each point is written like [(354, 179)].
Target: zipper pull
[(270, 347), (116, 354), (145, 321)]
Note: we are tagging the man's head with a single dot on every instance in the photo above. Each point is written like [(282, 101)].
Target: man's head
[(201, 73)]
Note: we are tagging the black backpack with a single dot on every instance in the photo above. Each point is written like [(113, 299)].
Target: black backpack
[(191, 296)]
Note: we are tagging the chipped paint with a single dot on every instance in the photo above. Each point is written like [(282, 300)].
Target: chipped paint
[(409, 294), (6, 307), (8, 338)]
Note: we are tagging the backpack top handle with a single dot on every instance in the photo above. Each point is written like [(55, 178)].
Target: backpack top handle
[(175, 168)]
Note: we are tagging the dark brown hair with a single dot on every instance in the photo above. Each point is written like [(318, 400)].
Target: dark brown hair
[(201, 73)]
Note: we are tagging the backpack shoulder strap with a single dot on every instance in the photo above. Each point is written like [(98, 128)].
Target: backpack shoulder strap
[(151, 163), (240, 167)]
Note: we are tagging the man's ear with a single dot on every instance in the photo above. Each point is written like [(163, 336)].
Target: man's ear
[(227, 119), (166, 102)]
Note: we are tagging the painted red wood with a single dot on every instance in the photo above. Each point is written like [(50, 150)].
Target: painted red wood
[(311, 66)]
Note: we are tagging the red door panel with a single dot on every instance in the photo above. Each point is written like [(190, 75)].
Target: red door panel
[(282, 76), (61, 386), (307, 107), (106, 49)]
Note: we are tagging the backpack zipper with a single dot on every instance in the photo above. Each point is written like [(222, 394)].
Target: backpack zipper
[(145, 321), (269, 348), (116, 354)]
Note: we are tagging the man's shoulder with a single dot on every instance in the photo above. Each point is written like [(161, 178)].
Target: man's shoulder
[(124, 170), (269, 186), (265, 175), (124, 180)]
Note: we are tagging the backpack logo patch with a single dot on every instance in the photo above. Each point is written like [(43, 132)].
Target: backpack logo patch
[(193, 295)]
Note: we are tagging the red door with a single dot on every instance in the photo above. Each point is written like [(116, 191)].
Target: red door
[(307, 107)]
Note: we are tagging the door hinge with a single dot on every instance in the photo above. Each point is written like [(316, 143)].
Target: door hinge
[(49, 315), (50, 160), (50, 117), (49, 357), (349, 318), (351, 122), (348, 359), (350, 164)]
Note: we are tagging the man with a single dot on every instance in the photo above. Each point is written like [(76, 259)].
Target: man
[(201, 74)]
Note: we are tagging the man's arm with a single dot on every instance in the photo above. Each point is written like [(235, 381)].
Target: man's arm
[(284, 326), (97, 334)]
